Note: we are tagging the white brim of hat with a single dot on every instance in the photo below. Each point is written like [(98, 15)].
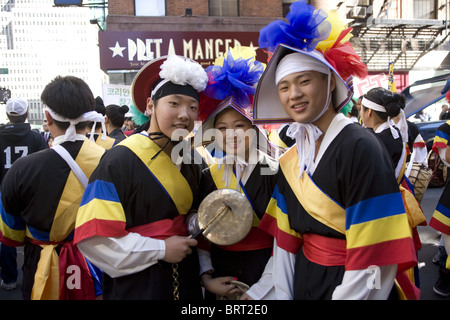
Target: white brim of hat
[(267, 107)]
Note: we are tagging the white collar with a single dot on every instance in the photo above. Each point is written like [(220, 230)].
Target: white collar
[(388, 124), (337, 124), (243, 168), (60, 139)]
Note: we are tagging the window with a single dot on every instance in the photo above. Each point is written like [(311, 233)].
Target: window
[(150, 7), (223, 8), (286, 5), (425, 9)]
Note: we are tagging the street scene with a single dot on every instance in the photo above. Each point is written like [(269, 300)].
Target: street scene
[(224, 150)]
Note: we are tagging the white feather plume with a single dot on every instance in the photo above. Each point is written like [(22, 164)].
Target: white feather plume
[(183, 71)]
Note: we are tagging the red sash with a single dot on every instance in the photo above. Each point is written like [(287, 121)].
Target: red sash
[(256, 239), (163, 229), (324, 250), (73, 279)]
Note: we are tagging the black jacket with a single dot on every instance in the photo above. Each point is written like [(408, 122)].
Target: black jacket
[(17, 140)]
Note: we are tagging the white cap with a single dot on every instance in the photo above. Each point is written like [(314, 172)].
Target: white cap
[(16, 107)]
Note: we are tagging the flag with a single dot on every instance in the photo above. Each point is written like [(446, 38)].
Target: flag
[(391, 80)]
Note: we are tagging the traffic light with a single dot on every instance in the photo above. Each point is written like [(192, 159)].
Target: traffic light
[(5, 94)]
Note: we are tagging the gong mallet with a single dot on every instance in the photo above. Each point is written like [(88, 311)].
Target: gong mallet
[(222, 211)]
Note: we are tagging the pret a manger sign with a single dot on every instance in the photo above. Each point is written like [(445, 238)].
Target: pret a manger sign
[(131, 50)]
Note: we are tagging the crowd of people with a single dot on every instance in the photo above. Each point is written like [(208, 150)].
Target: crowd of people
[(104, 215)]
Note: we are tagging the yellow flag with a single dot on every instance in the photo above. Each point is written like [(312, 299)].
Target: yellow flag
[(391, 81)]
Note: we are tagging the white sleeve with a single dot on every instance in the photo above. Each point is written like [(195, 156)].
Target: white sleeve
[(264, 288), (369, 284), (276, 282), (204, 258), (421, 153), (122, 256), (442, 156)]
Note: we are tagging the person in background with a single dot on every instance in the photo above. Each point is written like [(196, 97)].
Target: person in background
[(354, 114), (444, 113), (380, 109), (115, 117), (16, 140), (423, 116), (440, 220), (141, 121), (98, 132), (46, 133), (379, 106), (129, 124), (41, 193)]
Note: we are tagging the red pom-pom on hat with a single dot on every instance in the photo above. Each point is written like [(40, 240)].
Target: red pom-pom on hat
[(344, 59)]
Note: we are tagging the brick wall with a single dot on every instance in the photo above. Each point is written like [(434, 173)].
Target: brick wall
[(178, 7), (248, 8), (261, 8), (121, 7)]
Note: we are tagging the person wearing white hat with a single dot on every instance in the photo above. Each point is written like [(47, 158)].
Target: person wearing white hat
[(16, 140), (336, 189), (41, 193), (131, 221)]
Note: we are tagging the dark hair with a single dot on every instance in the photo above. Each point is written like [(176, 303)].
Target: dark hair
[(18, 118), (100, 108), (354, 112), (70, 97), (116, 114), (392, 101)]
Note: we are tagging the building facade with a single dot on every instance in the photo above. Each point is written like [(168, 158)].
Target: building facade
[(40, 41), (398, 31)]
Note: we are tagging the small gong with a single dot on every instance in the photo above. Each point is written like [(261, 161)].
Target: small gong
[(225, 216)]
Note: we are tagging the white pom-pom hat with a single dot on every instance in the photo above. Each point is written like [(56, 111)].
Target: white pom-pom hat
[(176, 69)]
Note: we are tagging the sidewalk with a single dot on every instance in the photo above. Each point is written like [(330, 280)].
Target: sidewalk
[(15, 294)]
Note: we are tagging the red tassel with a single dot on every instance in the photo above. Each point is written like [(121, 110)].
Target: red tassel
[(344, 59)]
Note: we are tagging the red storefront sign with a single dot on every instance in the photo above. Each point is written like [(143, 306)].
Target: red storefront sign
[(131, 50)]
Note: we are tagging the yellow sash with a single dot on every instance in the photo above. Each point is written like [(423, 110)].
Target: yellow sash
[(217, 176), (64, 221), (314, 201), (163, 169), (46, 279), (275, 139), (413, 211), (107, 144), (402, 170)]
